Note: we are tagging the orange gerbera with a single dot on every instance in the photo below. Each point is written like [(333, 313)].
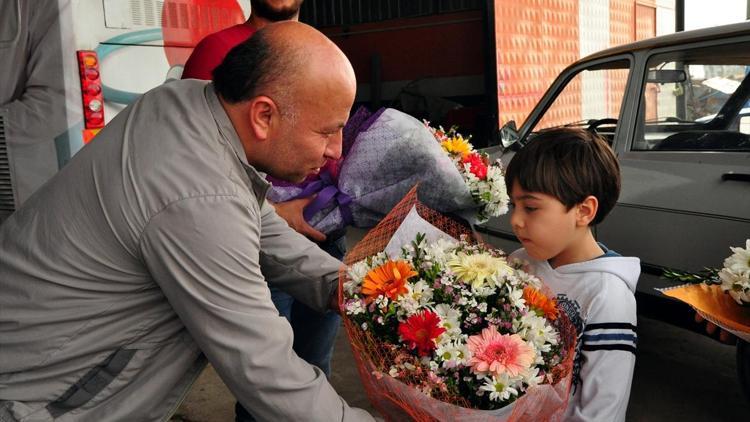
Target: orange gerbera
[(540, 303), (388, 279)]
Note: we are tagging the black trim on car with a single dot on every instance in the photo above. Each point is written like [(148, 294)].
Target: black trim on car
[(676, 211)]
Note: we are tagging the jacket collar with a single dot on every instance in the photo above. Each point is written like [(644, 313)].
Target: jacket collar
[(258, 182)]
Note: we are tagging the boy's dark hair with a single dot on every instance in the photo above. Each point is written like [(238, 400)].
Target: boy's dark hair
[(569, 164)]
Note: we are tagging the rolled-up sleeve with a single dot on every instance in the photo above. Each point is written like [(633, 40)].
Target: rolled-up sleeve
[(204, 254)]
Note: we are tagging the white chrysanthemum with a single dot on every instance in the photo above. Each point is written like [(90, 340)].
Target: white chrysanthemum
[(515, 297), (420, 291), (531, 376), (449, 319), (441, 251), (739, 262), (527, 279), (736, 284), (357, 273), (538, 331), (418, 296), (453, 354), (500, 388)]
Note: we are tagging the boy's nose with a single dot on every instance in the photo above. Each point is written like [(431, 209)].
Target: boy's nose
[(516, 222)]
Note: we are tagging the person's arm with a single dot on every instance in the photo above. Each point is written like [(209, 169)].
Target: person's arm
[(294, 264), (206, 56), (38, 114), (608, 349), (204, 253)]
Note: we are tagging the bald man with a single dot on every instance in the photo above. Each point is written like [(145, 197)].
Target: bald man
[(152, 251)]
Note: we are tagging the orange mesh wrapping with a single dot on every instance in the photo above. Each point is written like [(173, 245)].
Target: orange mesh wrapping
[(397, 401)]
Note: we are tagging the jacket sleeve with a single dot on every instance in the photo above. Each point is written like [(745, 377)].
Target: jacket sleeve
[(203, 253), (608, 356), (37, 115), (293, 263)]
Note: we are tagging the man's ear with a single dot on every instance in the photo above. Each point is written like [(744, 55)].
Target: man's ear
[(262, 112), (586, 210)]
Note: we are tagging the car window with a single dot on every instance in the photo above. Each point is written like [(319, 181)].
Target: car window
[(592, 98), (696, 100), (8, 22)]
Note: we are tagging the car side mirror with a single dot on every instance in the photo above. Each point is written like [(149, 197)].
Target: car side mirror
[(508, 134)]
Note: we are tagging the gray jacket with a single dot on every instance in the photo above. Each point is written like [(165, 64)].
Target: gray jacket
[(32, 94), (152, 248)]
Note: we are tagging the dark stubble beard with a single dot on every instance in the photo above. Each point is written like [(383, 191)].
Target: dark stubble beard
[(262, 9)]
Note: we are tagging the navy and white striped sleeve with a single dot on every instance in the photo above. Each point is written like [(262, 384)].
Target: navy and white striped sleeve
[(608, 346), (610, 336)]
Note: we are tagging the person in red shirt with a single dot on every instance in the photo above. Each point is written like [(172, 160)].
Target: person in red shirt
[(212, 49), (314, 333)]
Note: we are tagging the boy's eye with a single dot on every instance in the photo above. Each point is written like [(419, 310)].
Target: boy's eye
[(530, 209)]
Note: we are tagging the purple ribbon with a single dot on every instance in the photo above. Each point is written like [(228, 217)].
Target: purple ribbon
[(327, 192)]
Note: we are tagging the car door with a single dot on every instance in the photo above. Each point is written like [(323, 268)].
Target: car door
[(686, 168)]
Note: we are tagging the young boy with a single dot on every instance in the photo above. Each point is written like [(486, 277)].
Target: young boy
[(561, 183)]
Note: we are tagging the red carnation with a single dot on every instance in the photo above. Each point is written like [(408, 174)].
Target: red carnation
[(420, 330), (477, 166)]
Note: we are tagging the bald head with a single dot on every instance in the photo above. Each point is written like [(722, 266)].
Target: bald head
[(287, 61)]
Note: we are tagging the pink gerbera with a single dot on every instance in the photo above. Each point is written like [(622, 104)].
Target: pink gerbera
[(499, 353)]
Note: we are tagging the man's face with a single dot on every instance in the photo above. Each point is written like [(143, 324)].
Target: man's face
[(275, 10), (304, 144)]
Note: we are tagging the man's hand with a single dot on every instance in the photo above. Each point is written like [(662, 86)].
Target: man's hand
[(291, 211), (724, 336), (333, 303)]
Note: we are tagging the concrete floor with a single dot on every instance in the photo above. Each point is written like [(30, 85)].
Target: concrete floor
[(679, 376)]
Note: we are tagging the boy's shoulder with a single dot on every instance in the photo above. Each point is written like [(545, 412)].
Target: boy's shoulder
[(599, 286)]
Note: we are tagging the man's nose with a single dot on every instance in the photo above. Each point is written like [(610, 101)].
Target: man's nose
[(333, 149)]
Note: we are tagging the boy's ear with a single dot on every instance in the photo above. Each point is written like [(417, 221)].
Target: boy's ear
[(586, 210), (261, 117)]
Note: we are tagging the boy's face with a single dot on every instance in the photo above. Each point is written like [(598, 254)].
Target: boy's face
[(543, 224)]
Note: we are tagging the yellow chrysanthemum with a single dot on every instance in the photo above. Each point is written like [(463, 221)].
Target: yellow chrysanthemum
[(476, 269), (456, 145)]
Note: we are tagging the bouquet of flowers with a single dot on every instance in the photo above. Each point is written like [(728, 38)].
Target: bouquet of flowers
[(385, 154), (484, 179), (733, 279), (446, 328), (721, 296)]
